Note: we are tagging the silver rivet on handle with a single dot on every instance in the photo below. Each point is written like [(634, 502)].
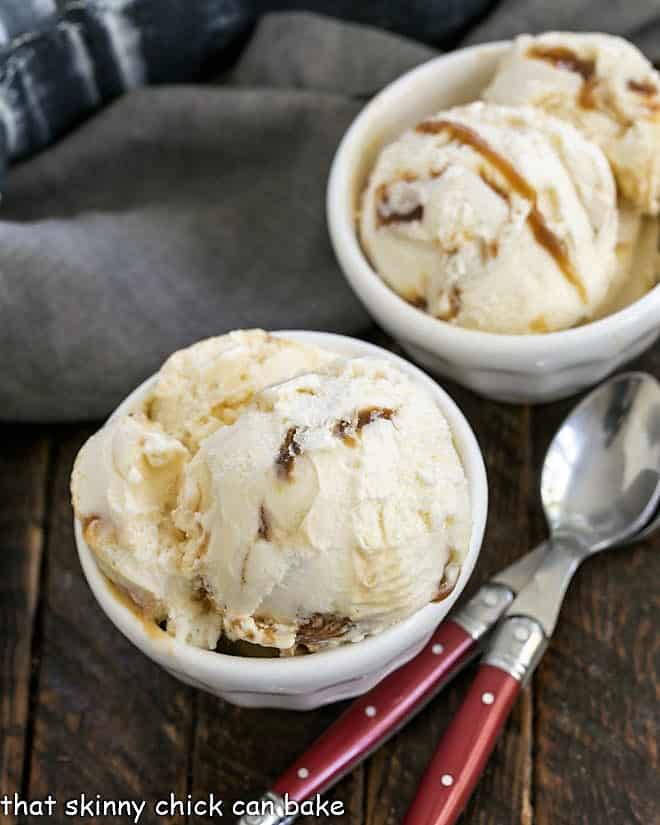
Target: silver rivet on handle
[(482, 612)]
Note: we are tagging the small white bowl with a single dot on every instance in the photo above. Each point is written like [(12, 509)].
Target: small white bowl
[(304, 682), (518, 368)]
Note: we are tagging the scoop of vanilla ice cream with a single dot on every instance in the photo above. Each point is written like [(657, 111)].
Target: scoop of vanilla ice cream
[(206, 385), (128, 477), (334, 506), (493, 218), (605, 87)]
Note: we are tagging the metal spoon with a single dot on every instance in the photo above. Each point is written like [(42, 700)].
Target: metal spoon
[(600, 485), (600, 488), (650, 528)]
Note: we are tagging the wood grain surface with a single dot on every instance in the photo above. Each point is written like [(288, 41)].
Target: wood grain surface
[(24, 464), (82, 711)]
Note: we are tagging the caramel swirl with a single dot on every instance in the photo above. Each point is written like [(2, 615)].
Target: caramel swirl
[(347, 429), (564, 58), (322, 627), (418, 301), (415, 214), (648, 92), (543, 235), (643, 87), (370, 414), (264, 529), (286, 457), (454, 304), (384, 216)]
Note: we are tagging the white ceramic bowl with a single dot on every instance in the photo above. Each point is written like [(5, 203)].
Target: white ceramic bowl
[(516, 368), (309, 681)]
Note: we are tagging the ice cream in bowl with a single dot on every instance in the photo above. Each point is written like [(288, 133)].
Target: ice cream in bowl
[(281, 519), (496, 210)]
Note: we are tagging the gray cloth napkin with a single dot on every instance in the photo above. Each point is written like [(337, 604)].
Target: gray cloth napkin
[(182, 212), (185, 211)]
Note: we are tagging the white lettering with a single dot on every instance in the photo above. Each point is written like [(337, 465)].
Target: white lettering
[(71, 807), (316, 807), (176, 806), (21, 807), (138, 810), (86, 808), (215, 806)]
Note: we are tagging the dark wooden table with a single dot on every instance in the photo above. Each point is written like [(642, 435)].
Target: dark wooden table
[(82, 711)]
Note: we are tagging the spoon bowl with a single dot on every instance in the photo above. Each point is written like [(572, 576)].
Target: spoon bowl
[(649, 528), (600, 483), (600, 486)]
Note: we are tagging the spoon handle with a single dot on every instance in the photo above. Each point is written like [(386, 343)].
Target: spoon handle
[(459, 760), (377, 715), (374, 717)]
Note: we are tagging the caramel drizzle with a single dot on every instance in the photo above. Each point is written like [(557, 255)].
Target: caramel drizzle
[(643, 87), (445, 589), (543, 235), (370, 414), (343, 429), (322, 627), (419, 302), (455, 303), (347, 430), (539, 324), (489, 250), (564, 58), (494, 185), (244, 566), (586, 98), (264, 531), (286, 457), (648, 90), (415, 214), (202, 594), (125, 597)]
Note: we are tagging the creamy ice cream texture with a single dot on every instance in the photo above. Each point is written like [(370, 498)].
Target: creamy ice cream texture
[(495, 218), (127, 478), (605, 87), (276, 494), (335, 506), (637, 261)]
